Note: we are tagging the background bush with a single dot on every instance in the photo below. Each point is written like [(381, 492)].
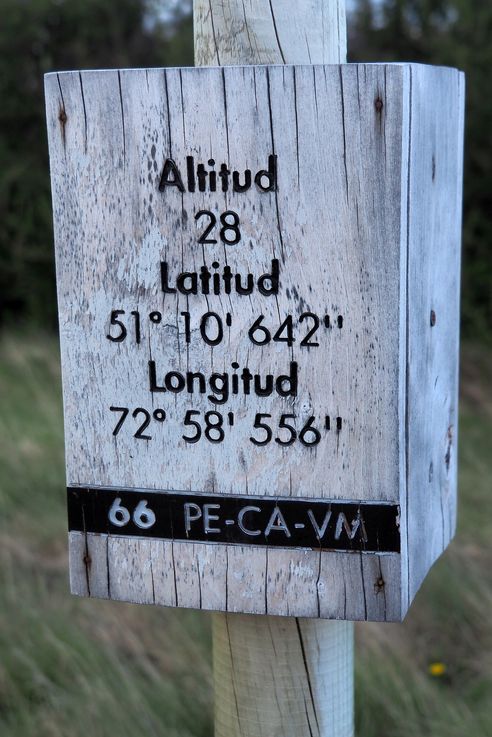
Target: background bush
[(37, 36)]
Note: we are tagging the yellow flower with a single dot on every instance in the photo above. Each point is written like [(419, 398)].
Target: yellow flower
[(437, 669)]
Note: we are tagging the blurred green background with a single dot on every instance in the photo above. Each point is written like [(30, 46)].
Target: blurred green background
[(73, 667)]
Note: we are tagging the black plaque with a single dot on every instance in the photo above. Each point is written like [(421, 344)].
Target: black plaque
[(236, 520)]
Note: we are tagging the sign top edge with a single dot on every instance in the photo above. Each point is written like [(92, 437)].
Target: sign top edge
[(204, 69)]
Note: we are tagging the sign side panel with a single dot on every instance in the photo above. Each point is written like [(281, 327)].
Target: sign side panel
[(435, 207)]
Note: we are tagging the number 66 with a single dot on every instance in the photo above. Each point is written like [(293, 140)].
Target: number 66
[(119, 515)]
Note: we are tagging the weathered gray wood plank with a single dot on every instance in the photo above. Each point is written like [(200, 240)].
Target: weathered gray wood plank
[(433, 315), (130, 233)]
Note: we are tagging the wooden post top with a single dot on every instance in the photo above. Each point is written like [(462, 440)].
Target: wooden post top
[(270, 32)]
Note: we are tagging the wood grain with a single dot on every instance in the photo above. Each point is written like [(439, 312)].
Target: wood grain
[(310, 693), (364, 224), (269, 32), (433, 298), (335, 259)]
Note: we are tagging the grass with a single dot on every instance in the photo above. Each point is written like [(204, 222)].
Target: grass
[(71, 667)]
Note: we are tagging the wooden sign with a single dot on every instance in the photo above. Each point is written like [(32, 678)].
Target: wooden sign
[(258, 281)]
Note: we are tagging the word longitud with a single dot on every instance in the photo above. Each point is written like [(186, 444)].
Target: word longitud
[(222, 385)]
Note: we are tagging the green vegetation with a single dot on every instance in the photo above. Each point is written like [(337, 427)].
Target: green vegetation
[(452, 33), (71, 667)]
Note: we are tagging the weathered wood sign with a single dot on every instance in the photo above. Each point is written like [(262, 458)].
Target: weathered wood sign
[(258, 281)]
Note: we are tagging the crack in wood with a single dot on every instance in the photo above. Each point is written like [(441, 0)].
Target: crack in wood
[(308, 676), (123, 131), (85, 112), (276, 33)]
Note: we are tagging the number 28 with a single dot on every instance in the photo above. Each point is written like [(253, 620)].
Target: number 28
[(229, 232)]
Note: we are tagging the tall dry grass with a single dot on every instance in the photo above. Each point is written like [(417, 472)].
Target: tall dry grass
[(72, 668)]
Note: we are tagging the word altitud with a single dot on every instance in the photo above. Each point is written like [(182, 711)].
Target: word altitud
[(207, 178)]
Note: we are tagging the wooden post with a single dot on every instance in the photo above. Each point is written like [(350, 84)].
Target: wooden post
[(277, 676), (282, 676), (258, 288), (270, 32)]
